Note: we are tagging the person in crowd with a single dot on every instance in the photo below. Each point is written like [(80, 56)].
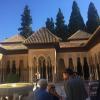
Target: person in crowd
[(52, 91), (74, 86), (41, 93), (98, 92)]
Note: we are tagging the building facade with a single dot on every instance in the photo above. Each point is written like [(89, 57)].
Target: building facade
[(44, 55)]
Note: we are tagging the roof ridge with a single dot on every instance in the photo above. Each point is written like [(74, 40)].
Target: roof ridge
[(77, 32)]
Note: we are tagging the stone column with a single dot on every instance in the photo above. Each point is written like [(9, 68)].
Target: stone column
[(46, 70)]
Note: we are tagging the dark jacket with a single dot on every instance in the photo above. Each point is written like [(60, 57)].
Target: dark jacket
[(42, 94), (75, 89), (54, 97), (98, 93)]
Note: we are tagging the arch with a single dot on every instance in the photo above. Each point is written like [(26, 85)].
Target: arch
[(42, 67), (14, 67), (49, 69), (21, 68), (8, 67), (61, 67), (79, 67), (86, 69), (71, 63)]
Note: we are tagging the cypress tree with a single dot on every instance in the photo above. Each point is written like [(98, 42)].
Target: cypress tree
[(93, 19), (26, 29), (50, 25), (76, 21), (61, 28)]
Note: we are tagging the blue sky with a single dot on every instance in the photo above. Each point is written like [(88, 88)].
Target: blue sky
[(10, 11)]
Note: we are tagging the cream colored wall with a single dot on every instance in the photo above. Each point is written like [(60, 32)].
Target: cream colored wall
[(41, 52)]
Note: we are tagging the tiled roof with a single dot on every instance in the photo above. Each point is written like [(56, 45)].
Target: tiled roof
[(95, 35), (15, 38), (80, 35), (43, 35)]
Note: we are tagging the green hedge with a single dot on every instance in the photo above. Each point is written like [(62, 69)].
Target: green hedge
[(12, 78)]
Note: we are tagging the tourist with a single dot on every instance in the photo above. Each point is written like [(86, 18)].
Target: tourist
[(41, 93), (52, 91), (74, 86)]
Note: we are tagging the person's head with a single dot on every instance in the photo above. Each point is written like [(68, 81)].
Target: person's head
[(75, 74), (43, 83), (67, 73), (51, 88)]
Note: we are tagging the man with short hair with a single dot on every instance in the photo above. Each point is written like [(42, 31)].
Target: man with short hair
[(74, 86), (41, 93)]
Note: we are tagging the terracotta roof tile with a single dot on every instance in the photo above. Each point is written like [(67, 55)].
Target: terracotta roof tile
[(43, 35)]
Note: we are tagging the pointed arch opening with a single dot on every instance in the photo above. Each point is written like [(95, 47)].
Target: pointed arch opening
[(71, 63), (61, 67), (79, 67), (42, 67), (21, 68), (8, 68), (86, 69), (13, 67), (49, 69)]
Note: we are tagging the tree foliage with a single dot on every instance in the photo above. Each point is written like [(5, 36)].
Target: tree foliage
[(26, 29), (76, 21), (61, 27), (93, 19), (50, 25)]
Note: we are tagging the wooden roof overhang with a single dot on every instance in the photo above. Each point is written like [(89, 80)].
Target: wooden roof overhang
[(2, 50), (77, 39), (72, 49), (42, 45), (14, 52)]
